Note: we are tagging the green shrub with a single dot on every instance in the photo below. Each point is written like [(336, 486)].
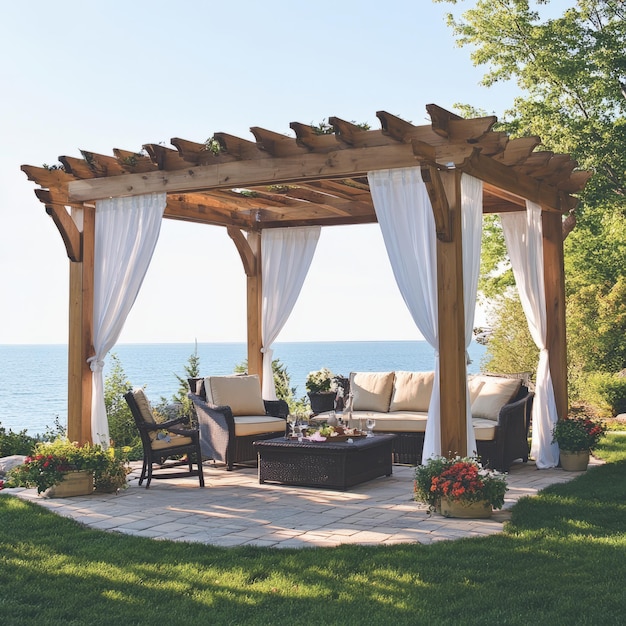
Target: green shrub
[(607, 392), (122, 428), (15, 443)]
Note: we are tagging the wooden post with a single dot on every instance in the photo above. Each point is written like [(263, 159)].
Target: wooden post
[(80, 341), (254, 293), (450, 302), (554, 279)]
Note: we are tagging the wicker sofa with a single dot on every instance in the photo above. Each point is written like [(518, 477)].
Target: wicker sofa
[(399, 401), (232, 415)]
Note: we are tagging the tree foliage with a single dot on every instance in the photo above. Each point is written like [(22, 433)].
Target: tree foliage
[(510, 348), (192, 370), (571, 70), (122, 429)]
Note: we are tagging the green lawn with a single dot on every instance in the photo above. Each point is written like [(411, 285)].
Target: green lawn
[(561, 560)]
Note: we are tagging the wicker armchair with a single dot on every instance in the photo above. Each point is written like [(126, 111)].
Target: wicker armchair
[(232, 416), (162, 440), (511, 440)]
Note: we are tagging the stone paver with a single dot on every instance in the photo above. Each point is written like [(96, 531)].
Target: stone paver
[(234, 510)]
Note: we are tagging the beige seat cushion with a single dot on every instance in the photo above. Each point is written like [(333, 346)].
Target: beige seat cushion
[(484, 429), (241, 393), (371, 391), (258, 425), (174, 440), (412, 391), (396, 422), (493, 395)]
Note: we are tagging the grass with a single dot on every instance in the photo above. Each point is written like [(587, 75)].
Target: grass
[(561, 560)]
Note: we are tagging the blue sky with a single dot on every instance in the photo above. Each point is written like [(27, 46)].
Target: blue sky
[(98, 76)]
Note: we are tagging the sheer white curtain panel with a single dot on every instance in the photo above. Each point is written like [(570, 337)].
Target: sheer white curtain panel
[(286, 255), (126, 233), (405, 216), (472, 231), (523, 236)]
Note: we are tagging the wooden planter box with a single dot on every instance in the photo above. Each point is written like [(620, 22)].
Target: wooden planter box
[(78, 483)]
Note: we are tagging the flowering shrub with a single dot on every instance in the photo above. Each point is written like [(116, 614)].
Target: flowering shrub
[(577, 434), (50, 461), (320, 381), (462, 479)]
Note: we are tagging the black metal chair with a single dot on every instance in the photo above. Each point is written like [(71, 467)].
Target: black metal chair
[(163, 440)]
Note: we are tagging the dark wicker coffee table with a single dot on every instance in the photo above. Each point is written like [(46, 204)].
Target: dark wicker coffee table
[(333, 465)]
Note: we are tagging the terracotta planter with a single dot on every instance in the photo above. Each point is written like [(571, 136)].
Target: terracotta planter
[(78, 483), (458, 508), (574, 461)]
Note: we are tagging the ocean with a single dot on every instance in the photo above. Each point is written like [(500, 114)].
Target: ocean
[(33, 378)]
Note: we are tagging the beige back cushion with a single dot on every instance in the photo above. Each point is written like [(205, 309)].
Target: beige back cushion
[(493, 395), (412, 391), (146, 410), (144, 406), (474, 384), (241, 393), (371, 391)]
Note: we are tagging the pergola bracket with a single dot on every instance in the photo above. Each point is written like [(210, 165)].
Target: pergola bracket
[(70, 234), (439, 201), (248, 257)]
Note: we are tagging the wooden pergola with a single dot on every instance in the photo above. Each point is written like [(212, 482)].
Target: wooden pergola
[(319, 179)]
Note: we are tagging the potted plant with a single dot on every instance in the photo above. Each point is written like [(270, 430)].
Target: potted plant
[(459, 487), (321, 387), (62, 468), (576, 437)]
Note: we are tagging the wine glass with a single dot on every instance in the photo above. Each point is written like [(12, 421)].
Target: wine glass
[(371, 422), (300, 428), (291, 426)]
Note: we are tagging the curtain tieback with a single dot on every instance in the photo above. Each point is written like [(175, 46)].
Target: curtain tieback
[(95, 364)]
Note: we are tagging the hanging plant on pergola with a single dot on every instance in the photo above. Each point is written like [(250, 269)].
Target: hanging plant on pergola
[(277, 183)]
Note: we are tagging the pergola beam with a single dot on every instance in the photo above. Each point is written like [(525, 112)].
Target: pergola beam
[(312, 167)]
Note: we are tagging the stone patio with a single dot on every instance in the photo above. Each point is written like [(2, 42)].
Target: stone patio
[(234, 510)]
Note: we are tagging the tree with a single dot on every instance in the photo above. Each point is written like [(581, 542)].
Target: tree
[(571, 71), (282, 382), (122, 428), (192, 370)]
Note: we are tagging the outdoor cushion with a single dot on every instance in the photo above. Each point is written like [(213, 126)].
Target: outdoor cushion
[(474, 384), (171, 440), (145, 409), (144, 405), (396, 422), (493, 395), (412, 391), (371, 391), (241, 393), (484, 429), (258, 425)]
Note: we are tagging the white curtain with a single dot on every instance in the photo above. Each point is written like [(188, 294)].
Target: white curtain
[(406, 220), (523, 236), (286, 255), (472, 229), (126, 232), (405, 215)]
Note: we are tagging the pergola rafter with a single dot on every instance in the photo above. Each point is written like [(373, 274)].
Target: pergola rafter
[(316, 178)]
